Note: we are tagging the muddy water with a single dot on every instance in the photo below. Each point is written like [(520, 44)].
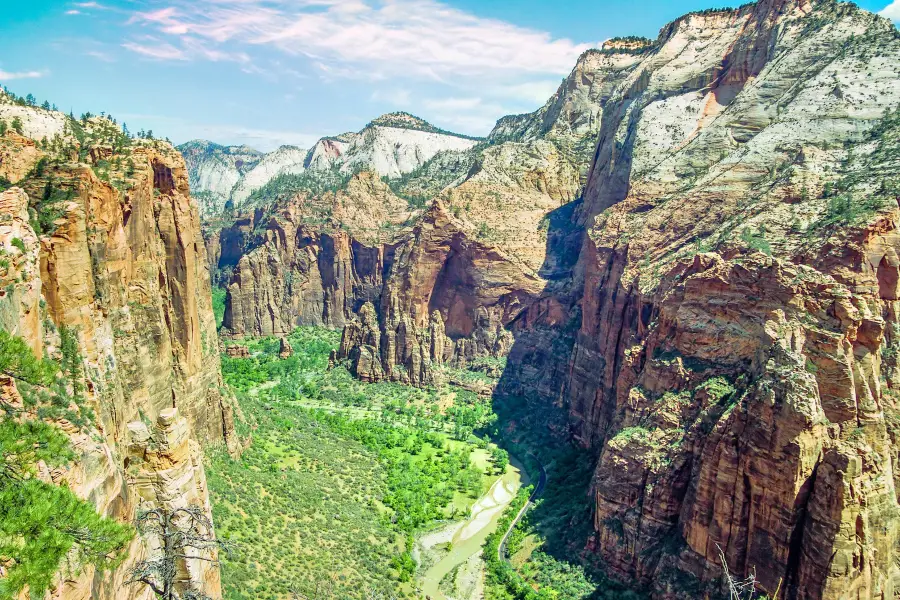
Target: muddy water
[(468, 538)]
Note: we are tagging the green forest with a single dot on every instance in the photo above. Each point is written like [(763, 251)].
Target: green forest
[(339, 476)]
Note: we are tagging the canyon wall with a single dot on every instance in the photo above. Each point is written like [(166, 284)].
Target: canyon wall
[(734, 358), (718, 310), (462, 268), (119, 262)]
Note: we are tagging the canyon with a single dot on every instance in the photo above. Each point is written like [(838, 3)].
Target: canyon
[(691, 251), (691, 248)]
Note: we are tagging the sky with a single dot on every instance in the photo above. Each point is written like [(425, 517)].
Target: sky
[(271, 72)]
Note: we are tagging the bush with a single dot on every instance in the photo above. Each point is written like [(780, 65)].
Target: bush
[(218, 304), (846, 211)]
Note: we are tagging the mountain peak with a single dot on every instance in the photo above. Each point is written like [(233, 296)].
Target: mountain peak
[(405, 120), (402, 120), (208, 146)]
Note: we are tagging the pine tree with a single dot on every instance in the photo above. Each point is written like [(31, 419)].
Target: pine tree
[(43, 526)]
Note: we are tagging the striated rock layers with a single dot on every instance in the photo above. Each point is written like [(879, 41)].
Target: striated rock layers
[(449, 299), (462, 268), (719, 312), (121, 264)]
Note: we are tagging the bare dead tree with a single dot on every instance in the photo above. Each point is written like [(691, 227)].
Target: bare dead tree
[(738, 589), (180, 531)]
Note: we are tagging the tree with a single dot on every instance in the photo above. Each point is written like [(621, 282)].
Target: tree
[(17, 125), (180, 531), (30, 100), (500, 458), (45, 105), (742, 589), (43, 526), (3, 127)]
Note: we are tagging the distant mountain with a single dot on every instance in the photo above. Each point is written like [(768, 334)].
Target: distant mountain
[(391, 145), (214, 171)]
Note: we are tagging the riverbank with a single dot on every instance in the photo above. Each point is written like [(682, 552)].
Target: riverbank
[(464, 540)]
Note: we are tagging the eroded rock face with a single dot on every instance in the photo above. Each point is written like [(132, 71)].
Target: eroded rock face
[(447, 298), (126, 272), (303, 273), (718, 313), (319, 258)]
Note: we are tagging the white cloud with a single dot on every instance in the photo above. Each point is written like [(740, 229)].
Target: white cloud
[(892, 11), (533, 91), (400, 48), (453, 103), (156, 51), (73, 12), (370, 38), (101, 56), (398, 97), (469, 114), (9, 76)]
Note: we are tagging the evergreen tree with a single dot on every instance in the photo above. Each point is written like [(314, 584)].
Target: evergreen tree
[(43, 526)]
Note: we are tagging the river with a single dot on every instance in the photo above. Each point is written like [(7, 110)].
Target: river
[(469, 537)]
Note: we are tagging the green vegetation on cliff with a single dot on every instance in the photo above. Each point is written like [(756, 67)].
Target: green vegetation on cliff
[(546, 549), (44, 527)]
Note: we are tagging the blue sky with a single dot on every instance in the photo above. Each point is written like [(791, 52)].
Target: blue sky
[(271, 72)]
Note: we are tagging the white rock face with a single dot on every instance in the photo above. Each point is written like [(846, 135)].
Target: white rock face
[(391, 146), (393, 151), (217, 177), (327, 152), (37, 123), (215, 170), (285, 160)]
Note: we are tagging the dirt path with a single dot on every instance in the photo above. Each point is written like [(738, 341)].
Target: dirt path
[(538, 490)]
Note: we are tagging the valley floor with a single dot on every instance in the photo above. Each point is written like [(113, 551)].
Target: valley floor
[(339, 477), (354, 490)]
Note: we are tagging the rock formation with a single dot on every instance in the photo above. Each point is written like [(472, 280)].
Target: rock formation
[(284, 349), (391, 145), (214, 171), (718, 312), (306, 268), (449, 299), (318, 258), (119, 261)]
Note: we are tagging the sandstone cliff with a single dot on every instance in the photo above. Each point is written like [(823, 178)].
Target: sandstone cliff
[(118, 259), (718, 313), (494, 203)]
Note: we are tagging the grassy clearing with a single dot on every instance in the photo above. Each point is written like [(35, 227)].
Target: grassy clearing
[(340, 475)]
